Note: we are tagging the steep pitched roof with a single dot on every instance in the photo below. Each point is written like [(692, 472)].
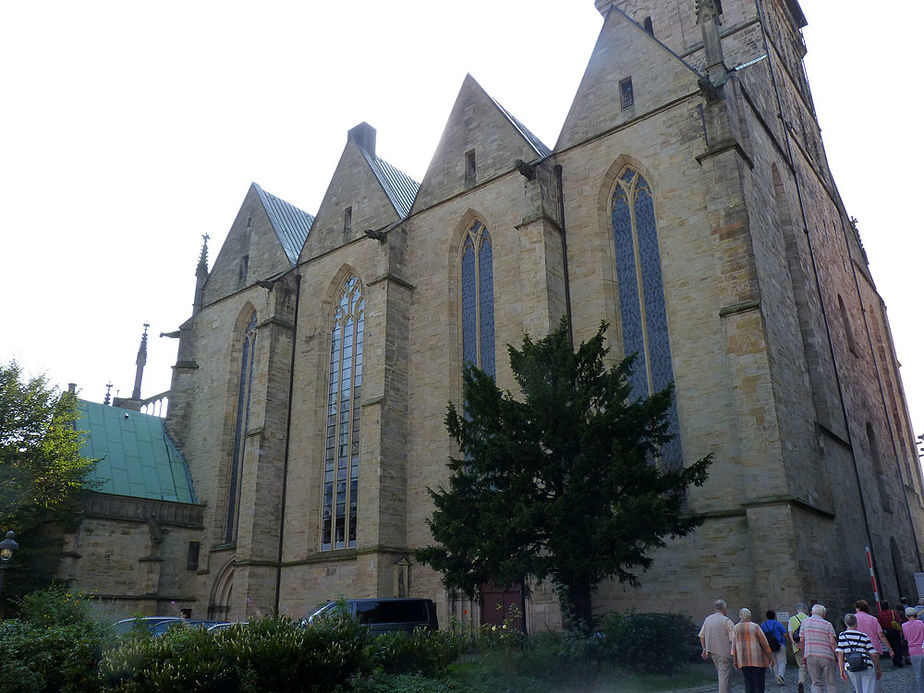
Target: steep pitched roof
[(137, 457), (291, 224), (480, 126), (400, 187), (534, 141), (624, 48)]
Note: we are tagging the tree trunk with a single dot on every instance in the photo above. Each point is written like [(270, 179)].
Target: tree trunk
[(576, 607)]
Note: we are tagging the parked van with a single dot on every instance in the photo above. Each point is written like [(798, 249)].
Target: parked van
[(386, 615)]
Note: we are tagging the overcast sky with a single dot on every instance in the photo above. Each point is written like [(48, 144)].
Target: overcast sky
[(130, 129)]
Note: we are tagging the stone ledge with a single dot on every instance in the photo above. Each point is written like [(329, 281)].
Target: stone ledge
[(130, 509), (736, 308)]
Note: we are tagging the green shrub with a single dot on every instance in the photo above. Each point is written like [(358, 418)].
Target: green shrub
[(55, 606), (649, 643), (48, 658), (270, 654), (423, 652)]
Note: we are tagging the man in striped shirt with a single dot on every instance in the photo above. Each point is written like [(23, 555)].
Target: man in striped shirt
[(818, 642), (855, 643)]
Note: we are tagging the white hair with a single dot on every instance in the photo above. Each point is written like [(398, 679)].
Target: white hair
[(818, 610), (720, 605), (744, 614)]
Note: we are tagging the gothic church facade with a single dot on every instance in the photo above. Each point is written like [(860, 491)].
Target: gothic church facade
[(688, 203)]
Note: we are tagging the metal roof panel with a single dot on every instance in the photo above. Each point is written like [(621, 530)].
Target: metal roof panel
[(400, 187), (291, 224), (137, 457)]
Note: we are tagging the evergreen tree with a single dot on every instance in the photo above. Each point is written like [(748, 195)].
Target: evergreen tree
[(563, 483)]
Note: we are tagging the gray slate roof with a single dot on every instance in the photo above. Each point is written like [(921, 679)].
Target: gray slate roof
[(137, 457), (400, 187), (292, 225)]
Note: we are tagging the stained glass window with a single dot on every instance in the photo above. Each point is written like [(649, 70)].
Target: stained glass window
[(341, 457), (641, 297), (478, 298), (240, 427)]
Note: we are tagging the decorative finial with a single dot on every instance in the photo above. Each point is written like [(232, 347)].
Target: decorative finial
[(204, 253), (140, 361)]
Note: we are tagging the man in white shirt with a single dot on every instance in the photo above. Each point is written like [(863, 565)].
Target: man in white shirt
[(716, 638)]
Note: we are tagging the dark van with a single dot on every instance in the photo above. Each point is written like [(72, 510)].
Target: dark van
[(386, 615)]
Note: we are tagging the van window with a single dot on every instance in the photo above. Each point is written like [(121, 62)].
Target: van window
[(392, 612)]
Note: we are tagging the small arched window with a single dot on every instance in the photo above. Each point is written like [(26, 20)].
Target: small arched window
[(341, 456), (245, 382), (478, 298), (641, 297)]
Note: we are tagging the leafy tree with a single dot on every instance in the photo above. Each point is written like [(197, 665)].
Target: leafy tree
[(41, 469), (563, 483)]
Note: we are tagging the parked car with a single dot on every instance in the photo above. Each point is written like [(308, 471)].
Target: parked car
[(385, 615), (163, 627), (147, 622), (221, 625)]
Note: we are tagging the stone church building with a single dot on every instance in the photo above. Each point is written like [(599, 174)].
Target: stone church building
[(687, 202)]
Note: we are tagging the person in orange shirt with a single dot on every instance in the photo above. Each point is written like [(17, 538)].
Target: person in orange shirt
[(751, 652)]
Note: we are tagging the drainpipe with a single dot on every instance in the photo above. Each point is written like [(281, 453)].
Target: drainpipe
[(564, 251)]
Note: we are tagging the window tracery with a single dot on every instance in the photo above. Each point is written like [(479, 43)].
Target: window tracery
[(641, 296), (341, 458), (478, 298)]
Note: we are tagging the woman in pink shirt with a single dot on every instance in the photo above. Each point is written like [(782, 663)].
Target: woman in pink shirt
[(913, 631)]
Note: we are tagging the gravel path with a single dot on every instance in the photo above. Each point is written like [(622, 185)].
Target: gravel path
[(894, 680)]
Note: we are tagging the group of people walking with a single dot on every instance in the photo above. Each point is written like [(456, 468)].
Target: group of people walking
[(820, 654)]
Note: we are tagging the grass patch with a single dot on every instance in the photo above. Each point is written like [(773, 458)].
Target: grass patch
[(489, 674)]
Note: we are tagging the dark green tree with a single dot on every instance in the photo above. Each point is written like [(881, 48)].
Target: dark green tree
[(563, 482), (41, 470)]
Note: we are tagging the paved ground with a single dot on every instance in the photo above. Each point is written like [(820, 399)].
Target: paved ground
[(894, 680)]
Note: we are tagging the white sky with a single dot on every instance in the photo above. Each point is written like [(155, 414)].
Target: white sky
[(130, 129)]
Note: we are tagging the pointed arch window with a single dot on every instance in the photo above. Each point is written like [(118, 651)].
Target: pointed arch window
[(641, 297), (242, 420), (478, 298), (341, 457)]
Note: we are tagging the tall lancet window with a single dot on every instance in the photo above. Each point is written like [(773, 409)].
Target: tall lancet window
[(241, 423), (341, 458), (641, 296), (478, 298)]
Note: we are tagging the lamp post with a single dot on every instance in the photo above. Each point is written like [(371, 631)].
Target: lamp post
[(8, 547)]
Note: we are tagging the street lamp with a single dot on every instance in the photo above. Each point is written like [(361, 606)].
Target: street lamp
[(8, 547)]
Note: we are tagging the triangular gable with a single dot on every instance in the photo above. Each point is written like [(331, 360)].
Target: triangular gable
[(624, 50), (400, 187), (136, 456), (291, 224), (365, 192), (480, 125), (265, 239)]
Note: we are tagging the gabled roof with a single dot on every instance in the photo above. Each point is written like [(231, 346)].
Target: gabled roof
[(291, 224), (534, 141), (137, 457), (400, 187)]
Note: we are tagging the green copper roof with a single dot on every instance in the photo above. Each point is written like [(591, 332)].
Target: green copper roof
[(137, 457)]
